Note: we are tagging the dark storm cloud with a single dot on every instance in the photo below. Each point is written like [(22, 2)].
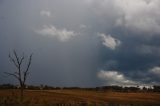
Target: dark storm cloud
[(139, 50), (75, 41)]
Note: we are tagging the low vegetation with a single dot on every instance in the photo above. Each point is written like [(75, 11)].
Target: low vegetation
[(78, 97)]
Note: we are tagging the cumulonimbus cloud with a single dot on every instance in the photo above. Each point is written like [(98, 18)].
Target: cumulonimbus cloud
[(114, 78), (109, 41), (51, 31), (133, 15), (139, 15)]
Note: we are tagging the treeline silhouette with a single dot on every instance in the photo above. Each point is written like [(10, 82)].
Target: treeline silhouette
[(155, 88)]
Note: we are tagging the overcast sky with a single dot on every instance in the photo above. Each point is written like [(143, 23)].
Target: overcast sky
[(84, 43)]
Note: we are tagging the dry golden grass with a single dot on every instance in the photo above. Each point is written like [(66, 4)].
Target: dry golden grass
[(78, 98)]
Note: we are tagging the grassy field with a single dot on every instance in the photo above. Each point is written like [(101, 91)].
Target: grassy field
[(77, 98)]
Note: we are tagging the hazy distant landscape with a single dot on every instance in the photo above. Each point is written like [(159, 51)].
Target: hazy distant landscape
[(75, 96), (79, 52)]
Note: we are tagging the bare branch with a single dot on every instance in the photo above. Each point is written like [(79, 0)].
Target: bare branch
[(11, 74), (13, 60), (28, 66), (29, 62), (21, 60), (16, 73), (16, 56)]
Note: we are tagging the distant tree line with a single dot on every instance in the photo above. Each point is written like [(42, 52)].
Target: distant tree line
[(155, 88), (7, 86)]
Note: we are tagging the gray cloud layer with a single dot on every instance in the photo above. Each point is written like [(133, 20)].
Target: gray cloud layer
[(68, 52)]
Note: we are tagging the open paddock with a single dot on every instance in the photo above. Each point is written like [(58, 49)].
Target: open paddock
[(77, 98)]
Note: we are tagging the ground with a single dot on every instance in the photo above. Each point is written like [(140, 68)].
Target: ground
[(77, 98)]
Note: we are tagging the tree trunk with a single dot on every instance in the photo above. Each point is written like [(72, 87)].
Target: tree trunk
[(22, 93)]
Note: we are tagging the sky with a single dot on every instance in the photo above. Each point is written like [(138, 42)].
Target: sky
[(84, 43)]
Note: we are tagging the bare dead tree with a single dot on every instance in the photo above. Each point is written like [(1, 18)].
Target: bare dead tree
[(20, 74)]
